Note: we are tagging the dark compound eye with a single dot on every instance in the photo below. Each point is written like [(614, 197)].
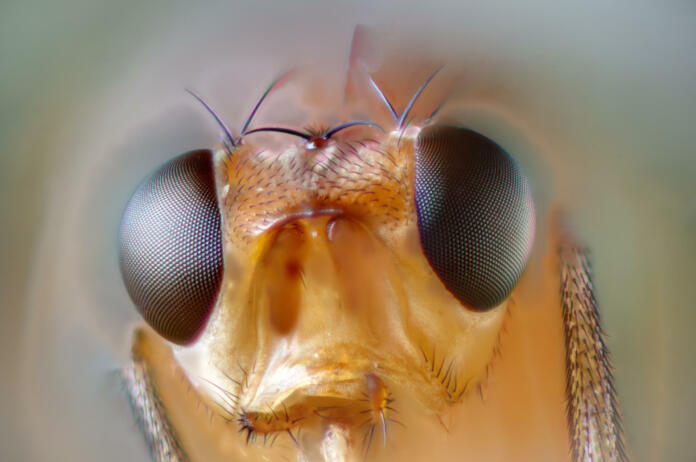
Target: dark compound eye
[(171, 247), (475, 214)]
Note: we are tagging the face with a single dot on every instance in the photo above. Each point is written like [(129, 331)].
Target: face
[(596, 108), (310, 279)]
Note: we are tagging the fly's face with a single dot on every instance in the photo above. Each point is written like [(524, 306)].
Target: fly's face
[(327, 283), (327, 280)]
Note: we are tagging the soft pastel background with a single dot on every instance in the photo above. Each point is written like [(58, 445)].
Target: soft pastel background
[(599, 100)]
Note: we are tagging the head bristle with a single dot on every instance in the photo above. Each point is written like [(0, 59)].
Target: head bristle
[(436, 110), (276, 83), (401, 119), (404, 115), (345, 125), (289, 131), (229, 139), (384, 98)]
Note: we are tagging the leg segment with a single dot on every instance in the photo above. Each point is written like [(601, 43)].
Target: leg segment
[(594, 419)]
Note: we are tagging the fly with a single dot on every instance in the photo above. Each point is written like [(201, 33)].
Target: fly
[(348, 292)]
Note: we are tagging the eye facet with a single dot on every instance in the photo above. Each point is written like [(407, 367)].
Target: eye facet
[(171, 248), (475, 214)]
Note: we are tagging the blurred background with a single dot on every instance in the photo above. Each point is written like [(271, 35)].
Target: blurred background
[(597, 100)]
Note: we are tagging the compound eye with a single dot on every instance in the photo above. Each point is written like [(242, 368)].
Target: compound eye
[(475, 214), (171, 247)]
